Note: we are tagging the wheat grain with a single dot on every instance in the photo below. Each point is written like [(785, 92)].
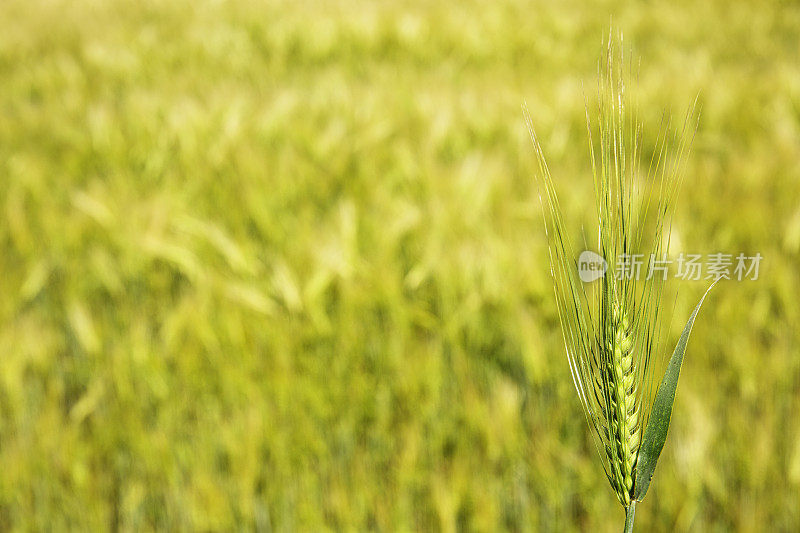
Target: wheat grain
[(611, 329)]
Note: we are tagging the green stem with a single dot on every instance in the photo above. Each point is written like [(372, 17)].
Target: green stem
[(629, 512)]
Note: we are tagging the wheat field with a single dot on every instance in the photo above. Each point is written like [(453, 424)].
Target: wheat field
[(281, 266)]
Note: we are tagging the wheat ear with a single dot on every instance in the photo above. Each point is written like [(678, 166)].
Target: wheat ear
[(612, 330)]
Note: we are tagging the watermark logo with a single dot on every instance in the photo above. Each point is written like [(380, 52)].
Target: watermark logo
[(591, 266)]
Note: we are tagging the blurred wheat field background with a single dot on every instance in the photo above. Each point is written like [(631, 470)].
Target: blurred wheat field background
[(282, 266)]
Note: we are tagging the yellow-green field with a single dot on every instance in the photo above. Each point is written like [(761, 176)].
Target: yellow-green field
[(282, 267)]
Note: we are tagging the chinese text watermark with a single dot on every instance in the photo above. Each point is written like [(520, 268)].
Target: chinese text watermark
[(592, 266)]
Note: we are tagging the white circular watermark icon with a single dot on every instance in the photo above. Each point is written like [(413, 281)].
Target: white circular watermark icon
[(591, 266)]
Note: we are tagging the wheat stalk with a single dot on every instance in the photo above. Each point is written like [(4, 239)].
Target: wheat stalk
[(611, 329)]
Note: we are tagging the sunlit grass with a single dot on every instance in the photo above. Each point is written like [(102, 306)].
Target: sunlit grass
[(283, 266)]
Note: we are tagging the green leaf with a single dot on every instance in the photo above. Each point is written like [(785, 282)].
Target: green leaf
[(655, 434)]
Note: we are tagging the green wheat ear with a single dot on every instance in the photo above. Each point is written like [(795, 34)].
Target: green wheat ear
[(611, 329)]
